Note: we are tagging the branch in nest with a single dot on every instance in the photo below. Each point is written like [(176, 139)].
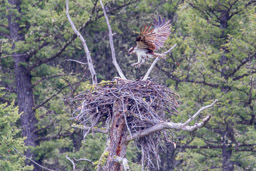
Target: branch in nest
[(170, 125), (144, 104)]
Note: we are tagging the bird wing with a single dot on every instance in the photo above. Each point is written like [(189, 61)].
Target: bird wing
[(153, 38)]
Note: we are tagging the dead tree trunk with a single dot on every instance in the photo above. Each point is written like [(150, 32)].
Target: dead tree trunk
[(118, 134)]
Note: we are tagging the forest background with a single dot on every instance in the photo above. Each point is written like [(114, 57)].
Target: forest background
[(214, 58)]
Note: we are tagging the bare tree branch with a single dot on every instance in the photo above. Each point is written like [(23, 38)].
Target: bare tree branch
[(124, 162), (32, 160), (198, 112), (88, 55), (46, 127), (82, 159), (175, 78), (112, 44), (168, 51), (170, 125), (167, 125), (154, 63), (62, 48), (150, 69), (39, 62), (73, 60), (73, 164)]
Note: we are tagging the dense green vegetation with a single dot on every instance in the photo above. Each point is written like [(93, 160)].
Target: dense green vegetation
[(215, 58), (11, 143)]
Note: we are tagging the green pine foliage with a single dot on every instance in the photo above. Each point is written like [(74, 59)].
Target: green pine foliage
[(216, 57), (10, 140)]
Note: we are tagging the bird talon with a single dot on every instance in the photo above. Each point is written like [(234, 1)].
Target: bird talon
[(150, 40)]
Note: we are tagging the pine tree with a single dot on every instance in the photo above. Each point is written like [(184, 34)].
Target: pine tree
[(35, 42), (217, 43), (11, 143)]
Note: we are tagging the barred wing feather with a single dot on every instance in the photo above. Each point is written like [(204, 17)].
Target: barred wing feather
[(154, 38)]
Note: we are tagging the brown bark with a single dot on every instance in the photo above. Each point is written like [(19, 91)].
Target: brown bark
[(23, 80), (227, 164), (118, 134)]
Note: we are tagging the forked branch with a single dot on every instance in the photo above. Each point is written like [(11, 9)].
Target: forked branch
[(88, 55), (73, 163), (170, 125), (77, 160)]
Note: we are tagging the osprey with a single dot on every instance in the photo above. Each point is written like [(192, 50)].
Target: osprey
[(150, 40)]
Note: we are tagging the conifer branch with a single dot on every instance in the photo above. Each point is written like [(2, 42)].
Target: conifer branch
[(87, 128), (46, 78), (68, 42), (32, 160), (47, 100)]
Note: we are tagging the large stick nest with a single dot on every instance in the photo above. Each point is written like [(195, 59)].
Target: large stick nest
[(143, 103)]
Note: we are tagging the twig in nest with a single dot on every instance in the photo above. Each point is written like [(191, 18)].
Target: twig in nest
[(144, 104)]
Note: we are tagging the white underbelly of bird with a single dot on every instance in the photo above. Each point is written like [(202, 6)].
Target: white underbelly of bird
[(144, 54), (150, 40)]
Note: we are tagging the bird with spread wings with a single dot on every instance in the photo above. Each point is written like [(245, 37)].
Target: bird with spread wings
[(151, 39)]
